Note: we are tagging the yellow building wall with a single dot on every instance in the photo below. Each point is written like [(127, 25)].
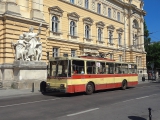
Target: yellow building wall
[(10, 29)]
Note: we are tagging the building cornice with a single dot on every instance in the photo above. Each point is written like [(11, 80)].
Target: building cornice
[(82, 44), (24, 20), (91, 11)]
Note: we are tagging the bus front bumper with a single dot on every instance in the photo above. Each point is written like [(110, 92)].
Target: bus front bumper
[(53, 89)]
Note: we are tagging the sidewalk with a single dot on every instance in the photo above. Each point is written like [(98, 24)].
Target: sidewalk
[(146, 80), (8, 93)]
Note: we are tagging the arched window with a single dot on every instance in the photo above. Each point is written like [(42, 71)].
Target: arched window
[(72, 28), (109, 12), (119, 39), (118, 16), (54, 24), (86, 4), (110, 36), (87, 32), (99, 8), (135, 24), (99, 34)]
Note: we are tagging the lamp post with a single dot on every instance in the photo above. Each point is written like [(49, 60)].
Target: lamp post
[(125, 34)]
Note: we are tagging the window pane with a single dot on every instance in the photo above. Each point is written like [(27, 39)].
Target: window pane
[(86, 4), (98, 8), (109, 12)]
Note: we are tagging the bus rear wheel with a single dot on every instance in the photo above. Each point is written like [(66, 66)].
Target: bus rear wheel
[(124, 84), (89, 88), (43, 87)]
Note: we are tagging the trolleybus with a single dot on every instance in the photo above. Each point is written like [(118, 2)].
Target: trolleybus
[(88, 74)]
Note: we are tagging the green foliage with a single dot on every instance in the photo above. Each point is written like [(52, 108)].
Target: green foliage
[(153, 54)]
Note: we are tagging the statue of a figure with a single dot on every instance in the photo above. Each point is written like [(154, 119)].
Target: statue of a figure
[(29, 47), (31, 38), (21, 48), (38, 50)]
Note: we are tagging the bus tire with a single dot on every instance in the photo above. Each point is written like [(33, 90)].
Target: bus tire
[(89, 88), (43, 87), (124, 84)]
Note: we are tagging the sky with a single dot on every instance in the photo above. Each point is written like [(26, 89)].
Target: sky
[(152, 18)]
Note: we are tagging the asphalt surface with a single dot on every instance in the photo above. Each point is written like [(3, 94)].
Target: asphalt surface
[(115, 104)]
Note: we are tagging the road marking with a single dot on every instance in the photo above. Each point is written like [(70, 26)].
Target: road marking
[(83, 112), (139, 98), (27, 103)]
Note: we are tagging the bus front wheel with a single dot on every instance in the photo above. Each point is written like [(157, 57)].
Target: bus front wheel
[(124, 84), (89, 88)]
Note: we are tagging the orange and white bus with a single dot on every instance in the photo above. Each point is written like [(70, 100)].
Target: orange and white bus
[(88, 74)]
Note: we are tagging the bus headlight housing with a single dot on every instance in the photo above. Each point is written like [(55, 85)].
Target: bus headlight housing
[(48, 85), (61, 85)]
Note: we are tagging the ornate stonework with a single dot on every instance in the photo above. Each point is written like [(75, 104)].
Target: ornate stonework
[(28, 47), (55, 10), (73, 16), (88, 20), (100, 24)]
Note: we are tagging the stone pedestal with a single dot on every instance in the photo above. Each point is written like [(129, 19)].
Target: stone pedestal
[(23, 74)]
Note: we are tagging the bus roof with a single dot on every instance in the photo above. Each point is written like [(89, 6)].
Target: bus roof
[(88, 58)]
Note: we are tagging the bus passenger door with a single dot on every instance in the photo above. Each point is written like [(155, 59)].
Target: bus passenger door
[(109, 79)]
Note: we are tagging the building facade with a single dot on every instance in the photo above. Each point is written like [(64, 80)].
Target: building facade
[(77, 27)]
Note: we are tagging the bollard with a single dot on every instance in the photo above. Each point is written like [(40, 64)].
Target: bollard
[(150, 115), (32, 87)]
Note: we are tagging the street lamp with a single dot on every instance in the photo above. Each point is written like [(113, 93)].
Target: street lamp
[(125, 34)]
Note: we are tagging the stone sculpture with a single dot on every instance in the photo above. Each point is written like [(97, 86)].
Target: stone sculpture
[(28, 47)]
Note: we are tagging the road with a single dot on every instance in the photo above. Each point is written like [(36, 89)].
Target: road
[(115, 104)]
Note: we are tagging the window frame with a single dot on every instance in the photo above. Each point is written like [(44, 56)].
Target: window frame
[(109, 12), (72, 28), (55, 52), (73, 53), (98, 8), (72, 1), (86, 4), (100, 34), (87, 32), (118, 16), (119, 39), (54, 23)]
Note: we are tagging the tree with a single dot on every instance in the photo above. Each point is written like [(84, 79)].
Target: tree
[(147, 41)]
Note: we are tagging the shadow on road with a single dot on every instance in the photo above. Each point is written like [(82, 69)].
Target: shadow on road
[(136, 118), (58, 94)]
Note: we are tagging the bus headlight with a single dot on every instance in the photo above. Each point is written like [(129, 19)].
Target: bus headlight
[(61, 85), (48, 84)]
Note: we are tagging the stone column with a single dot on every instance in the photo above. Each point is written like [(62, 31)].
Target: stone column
[(36, 11), (24, 5), (12, 8)]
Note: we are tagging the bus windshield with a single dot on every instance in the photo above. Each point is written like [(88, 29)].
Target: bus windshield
[(59, 68)]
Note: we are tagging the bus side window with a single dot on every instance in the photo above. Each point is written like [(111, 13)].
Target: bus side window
[(118, 68), (77, 66), (110, 68), (91, 68), (124, 68)]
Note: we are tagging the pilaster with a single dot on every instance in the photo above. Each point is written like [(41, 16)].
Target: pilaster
[(36, 12), (12, 8)]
